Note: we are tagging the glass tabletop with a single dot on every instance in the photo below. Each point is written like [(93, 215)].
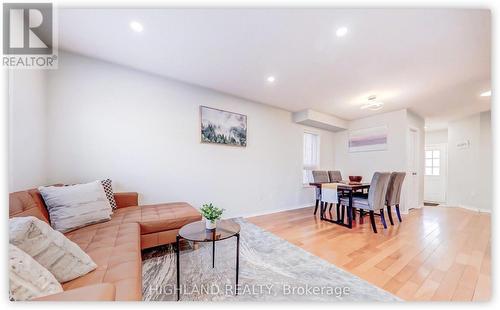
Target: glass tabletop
[(197, 232)]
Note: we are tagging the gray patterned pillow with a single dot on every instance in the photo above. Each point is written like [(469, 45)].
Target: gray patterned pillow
[(74, 206), (51, 249), (27, 278), (108, 189)]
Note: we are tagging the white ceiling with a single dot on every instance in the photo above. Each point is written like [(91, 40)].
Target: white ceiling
[(433, 61)]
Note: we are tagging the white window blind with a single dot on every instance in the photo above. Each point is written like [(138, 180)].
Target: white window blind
[(311, 156)]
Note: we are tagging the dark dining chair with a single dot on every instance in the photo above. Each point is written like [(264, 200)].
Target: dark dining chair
[(319, 177), (393, 196), (375, 200)]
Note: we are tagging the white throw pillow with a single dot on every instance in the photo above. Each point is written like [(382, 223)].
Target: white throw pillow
[(74, 206), (27, 278), (51, 249)]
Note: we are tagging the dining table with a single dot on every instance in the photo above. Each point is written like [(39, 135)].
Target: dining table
[(346, 189)]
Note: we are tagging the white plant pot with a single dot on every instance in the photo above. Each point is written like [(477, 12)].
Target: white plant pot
[(210, 225)]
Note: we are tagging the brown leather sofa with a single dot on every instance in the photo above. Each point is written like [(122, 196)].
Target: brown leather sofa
[(115, 245)]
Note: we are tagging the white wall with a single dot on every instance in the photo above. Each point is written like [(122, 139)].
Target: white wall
[(485, 201), (470, 169), (27, 129), (366, 163), (142, 131), (436, 137), (394, 158)]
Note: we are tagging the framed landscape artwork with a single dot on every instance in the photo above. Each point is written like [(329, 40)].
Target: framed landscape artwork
[(223, 127), (369, 139)]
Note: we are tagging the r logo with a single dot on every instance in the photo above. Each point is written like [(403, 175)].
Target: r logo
[(27, 28)]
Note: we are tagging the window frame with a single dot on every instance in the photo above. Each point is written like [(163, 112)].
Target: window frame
[(433, 158), (307, 169)]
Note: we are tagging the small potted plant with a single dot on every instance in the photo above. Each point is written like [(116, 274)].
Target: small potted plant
[(212, 214)]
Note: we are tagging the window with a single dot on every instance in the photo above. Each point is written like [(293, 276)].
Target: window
[(311, 156), (432, 162)]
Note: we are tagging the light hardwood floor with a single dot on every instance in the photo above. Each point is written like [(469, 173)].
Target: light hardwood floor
[(436, 253)]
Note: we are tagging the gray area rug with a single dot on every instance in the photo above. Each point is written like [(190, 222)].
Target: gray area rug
[(271, 269)]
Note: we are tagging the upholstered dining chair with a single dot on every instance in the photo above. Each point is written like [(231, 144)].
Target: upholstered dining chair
[(335, 176), (319, 177), (329, 195), (375, 200), (393, 195)]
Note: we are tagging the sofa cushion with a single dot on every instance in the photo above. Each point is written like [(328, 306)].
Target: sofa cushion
[(27, 278), (96, 292), (63, 258), (116, 250), (158, 217), (27, 203)]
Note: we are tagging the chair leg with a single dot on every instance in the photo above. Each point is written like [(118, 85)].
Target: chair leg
[(353, 214), (342, 213), (338, 212), (316, 207), (382, 217), (372, 220), (399, 214), (361, 215), (330, 209), (389, 212)]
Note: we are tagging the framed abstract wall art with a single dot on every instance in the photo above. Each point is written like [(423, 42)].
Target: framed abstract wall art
[(223, 127), (368, 139)]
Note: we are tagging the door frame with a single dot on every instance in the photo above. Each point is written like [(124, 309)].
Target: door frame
[(418, 162)]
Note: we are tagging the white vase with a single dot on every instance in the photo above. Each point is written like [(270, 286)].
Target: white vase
[(210, 225)]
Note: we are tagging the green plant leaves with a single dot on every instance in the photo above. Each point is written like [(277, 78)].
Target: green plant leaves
[(211, 213)]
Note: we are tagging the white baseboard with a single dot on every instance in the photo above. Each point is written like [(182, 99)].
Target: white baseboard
[(471, 208), (277, 210)]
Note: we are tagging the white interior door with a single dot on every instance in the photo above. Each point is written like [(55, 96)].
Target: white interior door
[(435, 173), (413, 170)]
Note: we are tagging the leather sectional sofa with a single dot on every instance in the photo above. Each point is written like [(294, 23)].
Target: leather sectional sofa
[(115, 245)]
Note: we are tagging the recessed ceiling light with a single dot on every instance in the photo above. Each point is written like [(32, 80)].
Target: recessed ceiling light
[(342, 31), (486, 94), (136, 26), (372, 104), (271, 79)]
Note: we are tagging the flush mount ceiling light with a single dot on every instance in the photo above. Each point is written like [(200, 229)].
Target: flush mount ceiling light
[(136, 26), (271, 79), (342, 31), (486, 94), (372, 104)]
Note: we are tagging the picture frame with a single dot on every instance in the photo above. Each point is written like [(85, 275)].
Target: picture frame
[(222, 127)]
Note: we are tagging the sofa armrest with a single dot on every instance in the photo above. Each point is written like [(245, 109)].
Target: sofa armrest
[(123, 200), (98, 292)]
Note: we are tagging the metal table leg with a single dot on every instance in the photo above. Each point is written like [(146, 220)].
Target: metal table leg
[(178, 248), (349, 211), (213, 249), (237, 260)]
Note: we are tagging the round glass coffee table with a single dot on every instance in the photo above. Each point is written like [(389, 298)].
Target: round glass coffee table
[(198, 233)]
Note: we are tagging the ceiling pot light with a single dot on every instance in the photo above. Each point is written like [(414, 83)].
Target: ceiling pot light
[(136, 26), (372, 104), (271, 79), (342, 31), (486, 94)]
